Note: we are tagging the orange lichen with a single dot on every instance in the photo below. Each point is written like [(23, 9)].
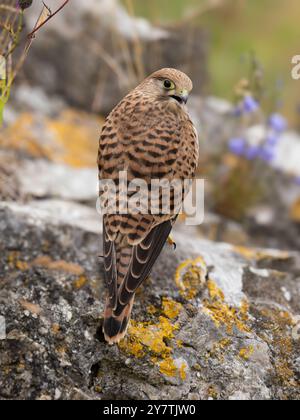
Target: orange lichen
[(55, 329), (190, 277), (15, 262), (222, 314), (31, 307), (59, 265)]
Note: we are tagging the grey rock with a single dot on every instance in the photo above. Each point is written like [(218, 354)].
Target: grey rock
[(191, 342), (97, 52), (41, 178)]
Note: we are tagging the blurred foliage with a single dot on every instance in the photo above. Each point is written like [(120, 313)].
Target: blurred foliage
[(270, 28)]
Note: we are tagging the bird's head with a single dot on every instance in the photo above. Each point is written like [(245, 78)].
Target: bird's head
[(169, 85)]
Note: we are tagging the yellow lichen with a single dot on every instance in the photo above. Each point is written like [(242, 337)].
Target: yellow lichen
[(190, 277), (171, 309), (70, 138), (15, 262), (74, 133), (295, 211), (146, 337), (182, 371), (80, 282), (167, 367), (222, 314), (246, 353), (212, 392), (277, 332), (259, 255), (218, 349), (152, 338)]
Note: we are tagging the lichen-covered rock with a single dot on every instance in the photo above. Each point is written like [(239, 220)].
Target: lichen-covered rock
[(213, 322)]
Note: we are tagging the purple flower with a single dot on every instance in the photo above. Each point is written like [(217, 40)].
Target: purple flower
[(253, 152), (267, 153), (237, 146), (272, 139), (238, 111), (24, 4), (278, 123), (250, 105)]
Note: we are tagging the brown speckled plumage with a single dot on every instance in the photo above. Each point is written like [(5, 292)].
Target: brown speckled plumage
[(150, 136)]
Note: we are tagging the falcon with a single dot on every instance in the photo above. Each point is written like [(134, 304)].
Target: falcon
[(148, 136)]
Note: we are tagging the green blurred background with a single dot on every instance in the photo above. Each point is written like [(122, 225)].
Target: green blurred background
[(268, 28)]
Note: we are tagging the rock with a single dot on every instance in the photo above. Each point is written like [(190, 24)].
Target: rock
[(34, 99), (97, 52), (70, 138), (59, 212), (57, 180), (212, 322)]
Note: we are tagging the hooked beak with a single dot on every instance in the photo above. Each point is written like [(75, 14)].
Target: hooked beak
[(181, 97)]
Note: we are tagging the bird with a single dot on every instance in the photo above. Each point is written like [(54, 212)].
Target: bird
[(149, 135)]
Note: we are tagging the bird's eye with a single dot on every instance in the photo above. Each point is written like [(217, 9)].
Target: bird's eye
[(169, 85)]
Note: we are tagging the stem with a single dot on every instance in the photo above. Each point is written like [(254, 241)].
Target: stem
[(31, 35)]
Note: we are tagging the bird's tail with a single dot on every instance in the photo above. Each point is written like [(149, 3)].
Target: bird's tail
[(116, 322)]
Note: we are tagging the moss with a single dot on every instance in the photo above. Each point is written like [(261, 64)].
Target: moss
[(190, 277), (224, 315)]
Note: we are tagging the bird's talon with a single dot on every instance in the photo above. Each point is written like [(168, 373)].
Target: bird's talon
[(172, 243)]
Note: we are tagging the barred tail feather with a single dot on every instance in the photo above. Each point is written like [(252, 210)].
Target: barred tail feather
[(116, 322)]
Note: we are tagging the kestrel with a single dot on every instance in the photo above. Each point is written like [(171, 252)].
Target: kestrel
[(148, 136)]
